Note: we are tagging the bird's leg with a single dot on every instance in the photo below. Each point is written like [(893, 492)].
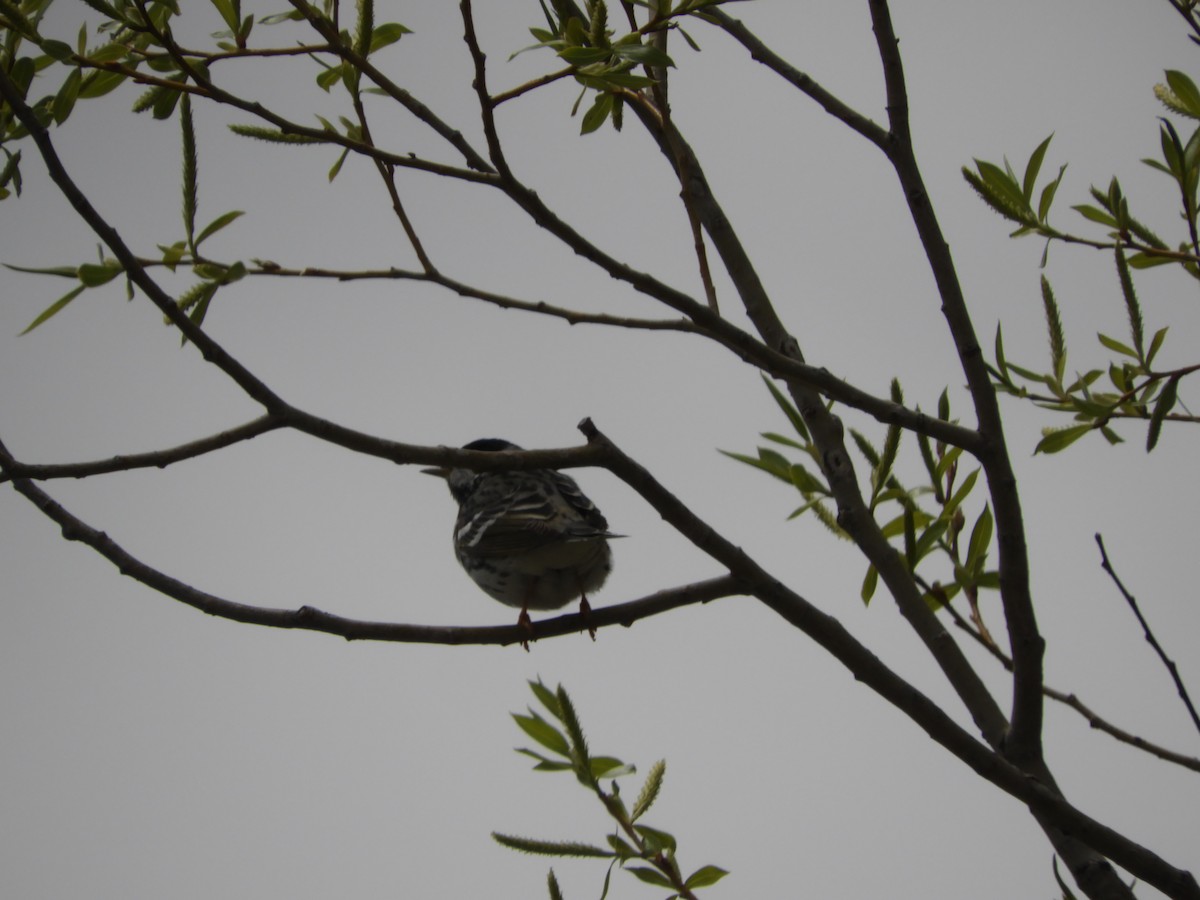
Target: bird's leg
[(585, 612), (523, 621)]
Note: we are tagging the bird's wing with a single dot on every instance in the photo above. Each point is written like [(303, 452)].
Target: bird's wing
[(529, 520)]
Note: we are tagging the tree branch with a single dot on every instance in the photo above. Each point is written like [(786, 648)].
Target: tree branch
[(853, 515), (311, 619), (1024, 742), (1045, 801), (1173, 669), (804, 83), (159, 459), (1094, 719)]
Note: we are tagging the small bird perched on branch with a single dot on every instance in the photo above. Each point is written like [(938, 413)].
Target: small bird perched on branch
[(530, 539)]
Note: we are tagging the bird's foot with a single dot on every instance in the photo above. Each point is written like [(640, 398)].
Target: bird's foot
[(523, 621), (585, 613)]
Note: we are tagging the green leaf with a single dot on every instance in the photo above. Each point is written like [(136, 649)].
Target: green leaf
[(789, 409), (1185, 89), (1033, 167), (217, 224), (61, 271), (650, 876), (55, 307), (929, 538), (546, 697), (1147, 261), (1116, 346), (543, 732), (327, 78), (806, 482), (552, 886), (551, 848), (704, 876), (650, 789), (757, 464), (337, 166), (981, 538), (1058, 340), (870, 583), (99, 83), (961, 494), (64, 100), (1005, 187), (1156, 343), (584, 56), (1132, 308), (655, 840), (189, 169), (273, 135), (599, 112), (1166, 400), (93, 275), (1001, 364), (228, 12), (609, 767), (949, 458), (579, 749), (386, 34), (643, 54), (622, 848), (1054, 440), (1047, 198), (545, 764), (1096, 215), (366, 24)]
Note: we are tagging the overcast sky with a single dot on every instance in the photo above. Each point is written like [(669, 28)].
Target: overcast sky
[(151, 751)]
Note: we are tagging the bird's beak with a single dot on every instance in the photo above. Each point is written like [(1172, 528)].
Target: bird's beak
[(437, 473)]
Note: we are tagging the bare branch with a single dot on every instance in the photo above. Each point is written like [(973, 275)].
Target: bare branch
[(831, 104), (158, 459), (521, 89), (486, 104), (1028, 645), (1094, 719), (1173, 669), (503, 301), (310, 619)]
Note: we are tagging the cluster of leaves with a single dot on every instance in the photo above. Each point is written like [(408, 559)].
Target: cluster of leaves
[(924, 522), (1135, 389), (137, 40), (606, 65), (648, 853), (1138, 390)]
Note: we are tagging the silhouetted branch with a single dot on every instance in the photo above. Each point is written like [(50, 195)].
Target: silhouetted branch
[(1173, 669), (760, 52), (1094, 719), (159, 459)]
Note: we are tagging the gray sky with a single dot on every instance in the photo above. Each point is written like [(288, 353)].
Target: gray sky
[(153, 751)]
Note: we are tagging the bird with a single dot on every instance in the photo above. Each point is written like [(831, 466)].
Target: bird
[(530, 539)]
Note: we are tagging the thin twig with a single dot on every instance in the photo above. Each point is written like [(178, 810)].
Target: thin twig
[(760, 52), (1094, 719), (158, 459), (1173, 669), (534, 84)]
